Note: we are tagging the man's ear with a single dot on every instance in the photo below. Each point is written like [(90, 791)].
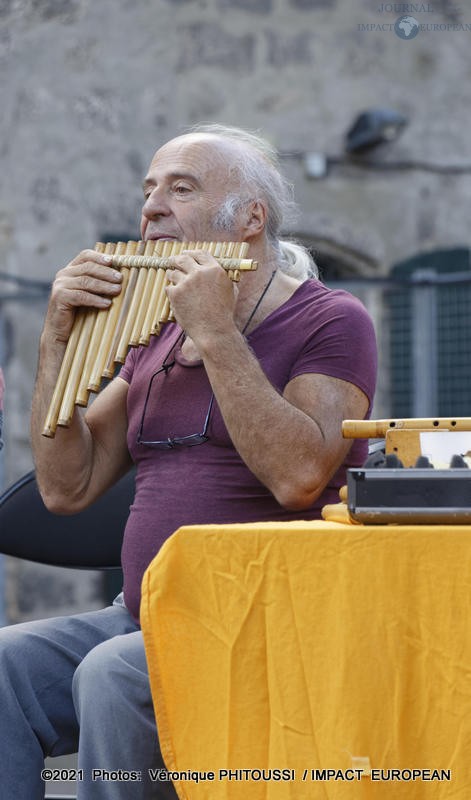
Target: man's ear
[(256, 217)]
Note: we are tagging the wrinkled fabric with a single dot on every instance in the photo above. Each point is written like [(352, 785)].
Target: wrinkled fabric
[(313, 646)]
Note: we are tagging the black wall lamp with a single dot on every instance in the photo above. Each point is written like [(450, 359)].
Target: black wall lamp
[(373, 127)]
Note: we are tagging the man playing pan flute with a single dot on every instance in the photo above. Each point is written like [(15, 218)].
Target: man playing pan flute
[(232, 414)]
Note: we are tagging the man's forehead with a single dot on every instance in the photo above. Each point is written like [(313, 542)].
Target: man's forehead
[(202, 152)]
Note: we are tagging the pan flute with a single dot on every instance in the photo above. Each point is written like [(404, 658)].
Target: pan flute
[(100, 338)]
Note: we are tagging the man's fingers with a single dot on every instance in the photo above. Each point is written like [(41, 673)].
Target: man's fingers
[(89, 284), (90, 268), (80, 298), (200, 256), (174, 276), (189, 260), (92, 256)]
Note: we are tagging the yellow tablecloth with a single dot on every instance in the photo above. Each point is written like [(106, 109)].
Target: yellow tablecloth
[(309, 647)]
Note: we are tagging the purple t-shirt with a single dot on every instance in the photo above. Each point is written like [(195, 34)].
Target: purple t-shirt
[(317, 330)]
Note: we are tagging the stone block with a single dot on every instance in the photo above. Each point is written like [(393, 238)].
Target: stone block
[(62, 10), (291, 49), (312, 5), (209, 45), (255, 6)]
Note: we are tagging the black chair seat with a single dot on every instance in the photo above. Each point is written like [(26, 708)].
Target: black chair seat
[(90, 539)]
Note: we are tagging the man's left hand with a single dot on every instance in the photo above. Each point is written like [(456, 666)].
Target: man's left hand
[(201, 295)]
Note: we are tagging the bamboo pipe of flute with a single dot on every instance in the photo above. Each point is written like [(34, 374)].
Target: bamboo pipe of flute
[(50, 423), (94, 376), (74, 343), (72, 387), (144, 294), (81, 397), (155, 300), (101, 348), (163, 313), (138, 287), (119, 309), (371, 428)]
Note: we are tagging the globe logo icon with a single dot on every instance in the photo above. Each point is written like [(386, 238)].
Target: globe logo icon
[(406, 27)]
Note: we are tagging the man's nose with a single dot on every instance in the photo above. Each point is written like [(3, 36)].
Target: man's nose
[(155, 204)]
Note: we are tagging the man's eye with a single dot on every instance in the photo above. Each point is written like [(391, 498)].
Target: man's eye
[(181, 189)]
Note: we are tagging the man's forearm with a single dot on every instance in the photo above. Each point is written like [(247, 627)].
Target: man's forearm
[(63, 462), (277, 441), (75, 466)]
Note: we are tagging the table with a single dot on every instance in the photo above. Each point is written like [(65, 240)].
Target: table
[(313, 646)]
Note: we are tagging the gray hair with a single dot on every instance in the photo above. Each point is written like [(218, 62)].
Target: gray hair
[(260, 177)]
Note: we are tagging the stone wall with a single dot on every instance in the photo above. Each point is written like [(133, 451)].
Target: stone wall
[(90, 89)]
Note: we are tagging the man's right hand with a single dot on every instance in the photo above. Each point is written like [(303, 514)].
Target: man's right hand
[(88, 281)]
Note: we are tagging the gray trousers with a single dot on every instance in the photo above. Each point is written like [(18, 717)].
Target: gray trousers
[(78, 684)]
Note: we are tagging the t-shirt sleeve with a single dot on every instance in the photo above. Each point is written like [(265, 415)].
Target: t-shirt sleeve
[(127, 370), (342, 344)]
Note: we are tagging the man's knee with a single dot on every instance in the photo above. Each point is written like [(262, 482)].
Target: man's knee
[(91, 680), (16, 648), (109, 675), (101, 674)]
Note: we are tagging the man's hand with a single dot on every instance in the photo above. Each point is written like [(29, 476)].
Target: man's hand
[(201, 295), (88, 280)]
